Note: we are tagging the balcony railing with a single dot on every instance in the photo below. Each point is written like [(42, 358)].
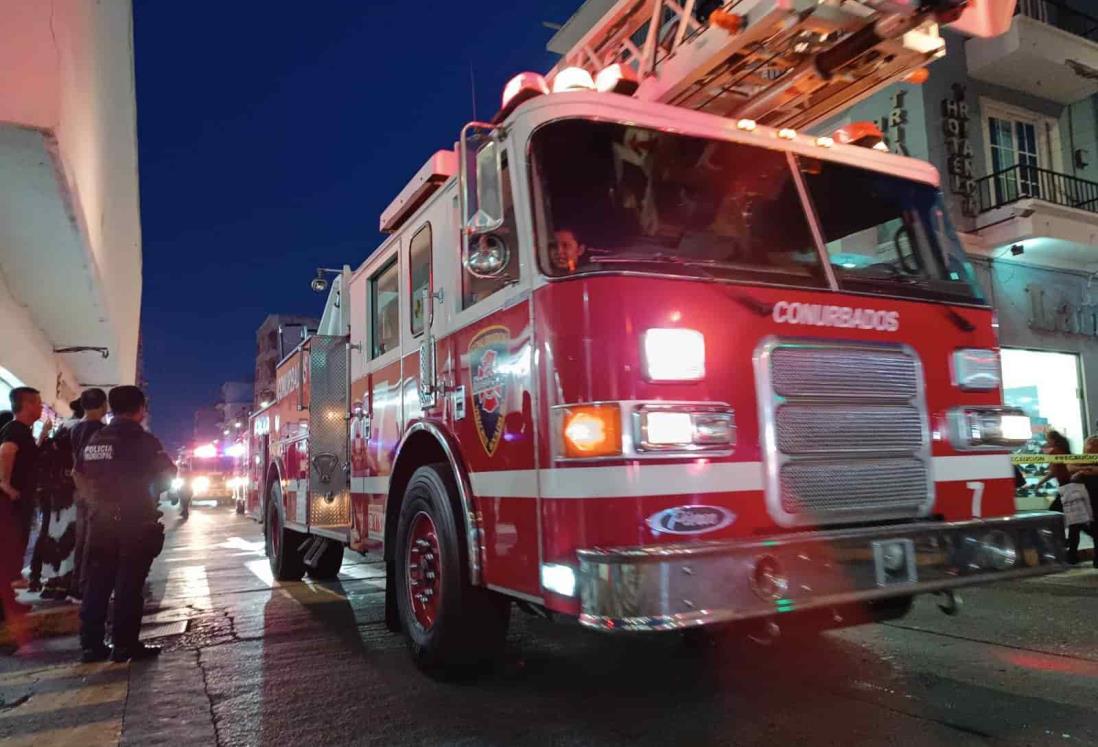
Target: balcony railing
[(1019, 182), (1063, 15)]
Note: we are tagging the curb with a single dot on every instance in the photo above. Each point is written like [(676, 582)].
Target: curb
[(48, 622)]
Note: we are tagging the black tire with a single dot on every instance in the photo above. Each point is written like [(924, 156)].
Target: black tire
[(469, 626), (281, 543), (240, 508), (328, 565)]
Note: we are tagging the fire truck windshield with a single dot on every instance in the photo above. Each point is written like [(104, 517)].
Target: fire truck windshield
[(613, 197)]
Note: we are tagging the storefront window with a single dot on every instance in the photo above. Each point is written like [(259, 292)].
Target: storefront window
[(1048, 387)]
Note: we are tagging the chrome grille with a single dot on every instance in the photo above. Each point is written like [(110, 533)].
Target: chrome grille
[(865, 485), (820, 429), (803, 371), (845, 432)]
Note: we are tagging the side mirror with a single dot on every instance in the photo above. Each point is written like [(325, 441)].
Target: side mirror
[(484, 188)]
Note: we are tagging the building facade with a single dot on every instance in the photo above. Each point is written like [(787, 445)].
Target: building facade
[(1012, 125), (70, 234), (276, 336)]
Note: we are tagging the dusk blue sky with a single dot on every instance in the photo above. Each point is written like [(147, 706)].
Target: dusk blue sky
[(271, 136)]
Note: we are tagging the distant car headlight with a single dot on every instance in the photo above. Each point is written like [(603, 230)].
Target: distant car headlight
[(200, 484), (177, 483)]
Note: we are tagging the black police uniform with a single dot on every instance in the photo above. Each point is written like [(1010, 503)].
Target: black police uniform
[(126, 468)]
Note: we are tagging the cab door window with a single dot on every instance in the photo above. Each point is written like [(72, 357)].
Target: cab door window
[(385, 310), (419, 270), (476, 289)]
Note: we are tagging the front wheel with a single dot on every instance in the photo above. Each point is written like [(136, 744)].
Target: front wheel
[(281, 543), (451, 626)]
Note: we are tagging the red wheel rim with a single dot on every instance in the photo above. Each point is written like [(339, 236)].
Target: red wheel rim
[(423, 570)]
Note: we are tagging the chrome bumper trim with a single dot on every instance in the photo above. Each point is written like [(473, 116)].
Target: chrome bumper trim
[(667, 587)]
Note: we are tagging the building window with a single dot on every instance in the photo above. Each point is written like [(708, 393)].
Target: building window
[(419, 270), (1022, 148), (385, 310), (1014, 144)]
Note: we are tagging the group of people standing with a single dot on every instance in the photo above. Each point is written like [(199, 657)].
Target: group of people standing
[(1067, 474), (95, 488), (43, 473)]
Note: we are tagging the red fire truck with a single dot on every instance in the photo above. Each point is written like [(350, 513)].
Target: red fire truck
[(641, 352)]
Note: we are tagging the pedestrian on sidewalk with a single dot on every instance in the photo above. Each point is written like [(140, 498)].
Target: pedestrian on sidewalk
[(56, 544), (1056, 443), (1088, 477), (18, 475), (127, 469), (94, 403)]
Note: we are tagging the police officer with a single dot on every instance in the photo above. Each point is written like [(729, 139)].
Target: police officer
[(126, 469)]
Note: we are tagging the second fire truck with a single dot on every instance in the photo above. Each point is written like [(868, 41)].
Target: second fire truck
[(641, 352)]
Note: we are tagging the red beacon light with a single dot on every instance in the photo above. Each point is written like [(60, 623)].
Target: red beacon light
[(206, 451), (865, 134), (519, 89)]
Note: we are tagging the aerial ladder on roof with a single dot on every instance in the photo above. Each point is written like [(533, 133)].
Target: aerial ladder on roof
[(785, 63)]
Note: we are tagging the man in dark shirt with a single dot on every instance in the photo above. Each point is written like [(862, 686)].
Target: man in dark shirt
[(94, 402), (127, 469), (18, 468)]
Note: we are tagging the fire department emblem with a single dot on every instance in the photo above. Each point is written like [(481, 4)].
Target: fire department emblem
[(487, 351)]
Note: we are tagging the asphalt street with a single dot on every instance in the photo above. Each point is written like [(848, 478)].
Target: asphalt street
[(251, 661)]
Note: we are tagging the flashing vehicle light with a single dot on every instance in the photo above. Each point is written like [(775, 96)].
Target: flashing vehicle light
[(684, 428), (522, 87), (617, 78), (866, 134), (977, 369), (200, 484), (559, 579), (674, 354), (206, 451), (591, 431), (989, 428), (235, 450), (573, 79), (177, 483), (667, 428)]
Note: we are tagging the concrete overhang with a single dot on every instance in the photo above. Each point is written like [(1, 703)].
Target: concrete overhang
[(45, 255), (1050, 235), (1036, 58)]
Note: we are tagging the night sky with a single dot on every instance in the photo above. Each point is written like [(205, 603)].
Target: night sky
[(271, 136)]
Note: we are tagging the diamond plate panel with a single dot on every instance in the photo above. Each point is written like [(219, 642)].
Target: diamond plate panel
[(329, 494)]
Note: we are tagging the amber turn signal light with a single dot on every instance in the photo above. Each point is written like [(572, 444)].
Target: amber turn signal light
[(591, 431)]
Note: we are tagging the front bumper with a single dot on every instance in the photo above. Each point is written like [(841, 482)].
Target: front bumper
[(666, 587)]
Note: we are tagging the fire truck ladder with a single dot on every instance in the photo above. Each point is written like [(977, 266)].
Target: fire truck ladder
[(785, 63)]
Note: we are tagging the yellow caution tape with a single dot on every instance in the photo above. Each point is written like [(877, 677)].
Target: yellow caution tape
[(1054, 459)]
